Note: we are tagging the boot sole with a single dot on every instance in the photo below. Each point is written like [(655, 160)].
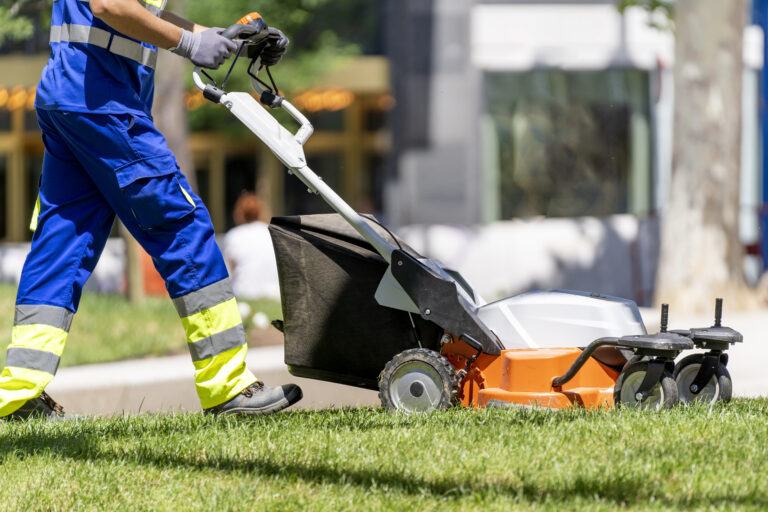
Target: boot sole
[(281, 404)]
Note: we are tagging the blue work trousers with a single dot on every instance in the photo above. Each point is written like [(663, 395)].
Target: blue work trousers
[(96, 166)]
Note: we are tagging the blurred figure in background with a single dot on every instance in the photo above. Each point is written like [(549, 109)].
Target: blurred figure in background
[(248, 250)]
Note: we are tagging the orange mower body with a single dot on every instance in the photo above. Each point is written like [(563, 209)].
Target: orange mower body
[(524, 377)]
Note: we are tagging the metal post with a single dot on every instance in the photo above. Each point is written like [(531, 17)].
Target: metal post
[(133, 269), (760, 17)]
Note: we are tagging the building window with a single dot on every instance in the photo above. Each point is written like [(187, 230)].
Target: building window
[(240, 176), (567, 144), (298, 201)]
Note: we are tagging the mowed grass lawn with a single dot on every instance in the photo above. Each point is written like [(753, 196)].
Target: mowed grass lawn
[(109, 328), (367, 459)]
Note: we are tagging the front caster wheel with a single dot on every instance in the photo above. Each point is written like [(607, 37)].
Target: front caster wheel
[(625, 392), (719, 387), (417, 381)]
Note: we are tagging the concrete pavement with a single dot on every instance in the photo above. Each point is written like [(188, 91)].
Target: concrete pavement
[(165, 384)]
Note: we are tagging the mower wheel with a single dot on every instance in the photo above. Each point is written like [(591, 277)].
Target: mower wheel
[(632, 360), (418, 381), (719, 387), (663, 395)]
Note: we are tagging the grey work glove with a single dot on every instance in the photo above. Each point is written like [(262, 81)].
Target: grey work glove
[(277, 44), (206, 49)]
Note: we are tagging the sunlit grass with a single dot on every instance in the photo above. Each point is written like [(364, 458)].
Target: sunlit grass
[(367, 459)]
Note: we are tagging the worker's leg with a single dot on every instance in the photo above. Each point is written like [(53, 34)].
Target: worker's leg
[(179, 236), (72, 227), (139, 177)]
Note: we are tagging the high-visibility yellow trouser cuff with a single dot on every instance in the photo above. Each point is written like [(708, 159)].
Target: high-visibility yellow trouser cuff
[(32, 360), (216, 341), (222, 377)]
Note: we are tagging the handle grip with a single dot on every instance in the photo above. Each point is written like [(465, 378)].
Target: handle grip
[(254, 31)]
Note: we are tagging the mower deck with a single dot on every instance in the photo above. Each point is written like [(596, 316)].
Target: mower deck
[(524, 377)]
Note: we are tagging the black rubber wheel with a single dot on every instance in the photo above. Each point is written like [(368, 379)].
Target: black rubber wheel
[(418, 381), (663, 395), (719, 387), (631, 361)]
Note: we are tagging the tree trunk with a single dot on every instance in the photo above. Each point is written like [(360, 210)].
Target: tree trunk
[(701, 254)]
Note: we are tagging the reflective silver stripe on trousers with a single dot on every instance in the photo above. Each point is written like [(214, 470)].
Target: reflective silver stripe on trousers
[(218, 343), (204, 298), (101, 38), (33, 314), (32, 359)]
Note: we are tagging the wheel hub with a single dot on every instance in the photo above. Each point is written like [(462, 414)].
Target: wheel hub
[(630, 394), (690, 392), (416, 387)]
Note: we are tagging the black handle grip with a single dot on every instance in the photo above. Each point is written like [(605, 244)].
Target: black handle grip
[(664, 317), (232, 31), (254, 31)]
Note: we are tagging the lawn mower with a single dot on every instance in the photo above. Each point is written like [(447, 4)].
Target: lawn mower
[(363, 308)]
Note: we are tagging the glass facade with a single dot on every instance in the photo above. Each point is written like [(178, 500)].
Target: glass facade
[(569, 143)]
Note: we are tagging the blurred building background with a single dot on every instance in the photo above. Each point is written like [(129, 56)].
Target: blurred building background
[(526, 143)]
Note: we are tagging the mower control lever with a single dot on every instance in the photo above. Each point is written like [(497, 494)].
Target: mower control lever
[(255, 31)]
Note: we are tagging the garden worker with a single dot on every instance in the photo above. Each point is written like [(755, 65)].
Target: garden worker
[(104, 157)]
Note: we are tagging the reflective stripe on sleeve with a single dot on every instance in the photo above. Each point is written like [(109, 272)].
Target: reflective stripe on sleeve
[(70, 33), (217, 343), (32, 314), (204, 298), (32, 359)]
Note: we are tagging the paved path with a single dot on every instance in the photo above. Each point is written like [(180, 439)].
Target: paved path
[(165, 384)]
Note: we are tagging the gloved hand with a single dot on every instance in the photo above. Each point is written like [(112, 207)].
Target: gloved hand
[(277, 45), (206, 49)]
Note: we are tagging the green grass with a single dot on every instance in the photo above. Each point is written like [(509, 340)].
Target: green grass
[(109, 328), (366, 459)]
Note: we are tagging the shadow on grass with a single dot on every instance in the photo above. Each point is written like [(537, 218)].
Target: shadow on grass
[(88, 446)]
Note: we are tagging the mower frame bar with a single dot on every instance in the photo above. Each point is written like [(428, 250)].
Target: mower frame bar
[(289, 149), (583, 358)]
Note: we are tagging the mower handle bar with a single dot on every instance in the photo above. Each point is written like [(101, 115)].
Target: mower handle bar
[(305, 127), (314, 183)]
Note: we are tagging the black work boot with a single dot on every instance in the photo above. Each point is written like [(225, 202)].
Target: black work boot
[(41, 407), (259, 399)]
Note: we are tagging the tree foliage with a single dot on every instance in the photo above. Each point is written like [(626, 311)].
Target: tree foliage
[(662, 11), (323, 34), (321, 31), (18, 18)]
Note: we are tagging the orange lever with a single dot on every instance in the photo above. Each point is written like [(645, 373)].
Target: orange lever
[(249, 18)]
